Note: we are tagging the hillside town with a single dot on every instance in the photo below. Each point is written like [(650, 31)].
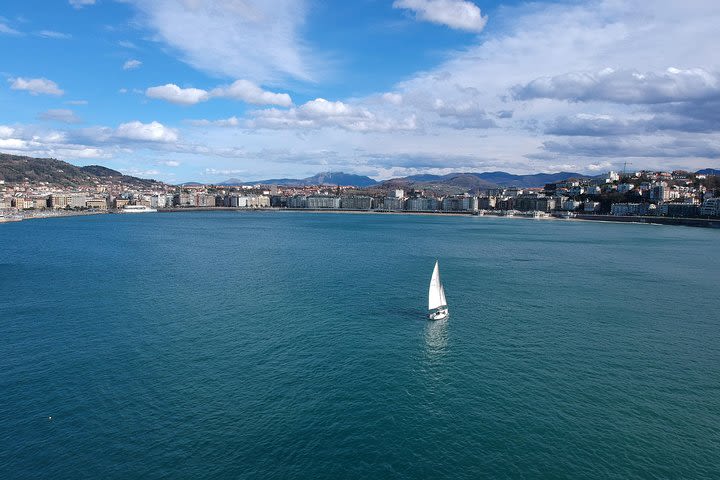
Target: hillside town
[(662, 194)]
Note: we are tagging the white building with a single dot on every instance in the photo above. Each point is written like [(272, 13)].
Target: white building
[(710, 207)]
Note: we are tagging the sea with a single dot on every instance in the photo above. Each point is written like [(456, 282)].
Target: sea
[(290, 345)]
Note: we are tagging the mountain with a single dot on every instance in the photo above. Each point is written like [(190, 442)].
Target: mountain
[(16, 168), (708, 171), (504, 179), (327, 178), (477, 181)]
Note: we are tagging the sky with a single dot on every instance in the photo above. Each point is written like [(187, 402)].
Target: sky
[(205, 90)]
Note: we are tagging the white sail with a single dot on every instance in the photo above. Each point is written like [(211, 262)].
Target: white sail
[(436, 294)]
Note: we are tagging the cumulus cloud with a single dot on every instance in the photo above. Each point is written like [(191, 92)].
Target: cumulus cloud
[(248, 92), (132, 64), (174, 94), (36, 86), (146, 132), (243, 90), (625, 86), (61, 115), (170, 163), (6, 132), (457, 14), (254, 39), (321, 113)]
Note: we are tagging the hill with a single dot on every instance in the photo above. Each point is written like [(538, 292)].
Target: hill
[(456, 182), (16, 169), (327, 178)]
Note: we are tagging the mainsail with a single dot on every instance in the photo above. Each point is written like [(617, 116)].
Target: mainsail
[(436, 295)]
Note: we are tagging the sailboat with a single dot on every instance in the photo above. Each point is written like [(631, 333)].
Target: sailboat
[(437, 305)]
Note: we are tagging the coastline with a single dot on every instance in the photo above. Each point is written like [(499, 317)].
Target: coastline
[(23, 216), (13, 217)]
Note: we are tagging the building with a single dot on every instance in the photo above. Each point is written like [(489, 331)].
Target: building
[(570, 205), (59, 201), (590, 207), (96, 203), (460, 204), (183, 200), (40, 203), (630, 209), (393, 203), (660, 192), (356, 203), (534, 203), (421, 204), (686, 210), (22, 203), (78, 200), (323, 202), (297, 201), (711, 207), (486, 203), (158, 201)]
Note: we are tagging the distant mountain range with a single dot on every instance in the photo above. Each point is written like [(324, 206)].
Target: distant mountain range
[(467, 181), (327, 178), (479, 181), (16, 168)]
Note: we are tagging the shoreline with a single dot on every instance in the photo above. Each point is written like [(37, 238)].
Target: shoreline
[(13, 217), (640, 220)]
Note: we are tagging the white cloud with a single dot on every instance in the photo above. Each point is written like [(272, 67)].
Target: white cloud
[(225, 122), (134, 172), (243, 90), (81, 3), (6, 132), (458, 14), (127, 44), (132, 64), (146, 132), (77, 102), (7, 30), (626, 86), (170, 163), (248, 92), (254, 39), (54, 34), (174, 94), (321, 113), (60, 115), (36, 86)]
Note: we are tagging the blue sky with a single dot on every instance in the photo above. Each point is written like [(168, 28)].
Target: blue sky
[(203, 90)]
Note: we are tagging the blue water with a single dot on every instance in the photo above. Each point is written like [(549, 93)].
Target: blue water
[(294, 345)]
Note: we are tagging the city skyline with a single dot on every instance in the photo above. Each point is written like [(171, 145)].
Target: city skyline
[(207, 90)]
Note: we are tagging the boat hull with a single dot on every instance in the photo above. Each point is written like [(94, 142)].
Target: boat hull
[(440, 314)]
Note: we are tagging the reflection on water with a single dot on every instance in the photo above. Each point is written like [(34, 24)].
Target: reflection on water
[(436, 337)]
